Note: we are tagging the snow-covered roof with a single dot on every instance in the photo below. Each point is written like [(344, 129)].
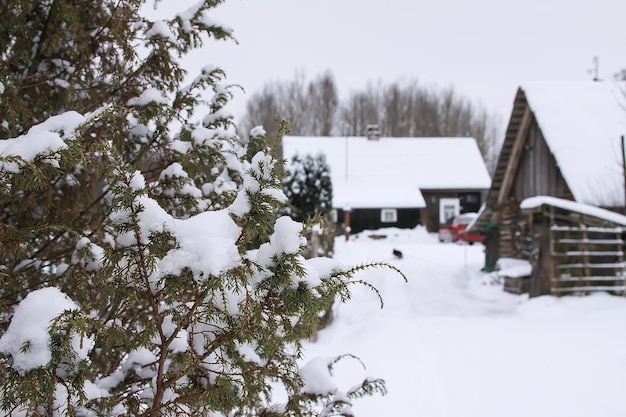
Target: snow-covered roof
[(582, 123), (390, 172), (589, 210)]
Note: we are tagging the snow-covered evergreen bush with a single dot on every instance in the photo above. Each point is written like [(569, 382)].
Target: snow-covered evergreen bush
[(128, 283), (309, 190), (308, 187)]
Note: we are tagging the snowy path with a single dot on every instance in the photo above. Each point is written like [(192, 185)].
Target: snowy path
[(449, 345)]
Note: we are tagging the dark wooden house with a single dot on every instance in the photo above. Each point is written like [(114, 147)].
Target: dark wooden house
[(562, 140), (398, 182)]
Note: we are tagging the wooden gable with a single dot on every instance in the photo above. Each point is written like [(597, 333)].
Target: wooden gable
[(579, 134), (525, 167), (536, 171)]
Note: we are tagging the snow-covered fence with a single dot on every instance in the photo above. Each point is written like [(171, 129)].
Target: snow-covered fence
[(577, 248), (587, 259)]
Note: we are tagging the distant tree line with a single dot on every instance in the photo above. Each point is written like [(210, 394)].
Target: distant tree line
[(399, 108)]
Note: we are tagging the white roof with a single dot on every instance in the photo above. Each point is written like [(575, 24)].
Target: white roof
[(390, 172), (582, 123), (600, 213)]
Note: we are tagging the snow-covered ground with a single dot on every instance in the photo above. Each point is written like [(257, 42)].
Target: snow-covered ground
[(450, 342)]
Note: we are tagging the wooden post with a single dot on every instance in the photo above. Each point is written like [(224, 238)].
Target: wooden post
[(624, 170), (346, 222), (586, 272), (543, 265)]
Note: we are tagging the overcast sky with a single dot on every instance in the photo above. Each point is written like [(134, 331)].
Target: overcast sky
[(484, 48)]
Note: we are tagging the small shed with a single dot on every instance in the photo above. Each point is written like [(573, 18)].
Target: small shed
[(573, 248), (563, 140), (398, 182)]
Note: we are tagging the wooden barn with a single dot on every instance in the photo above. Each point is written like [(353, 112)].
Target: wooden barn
[(574, 249), (563, 140), (398, 182)]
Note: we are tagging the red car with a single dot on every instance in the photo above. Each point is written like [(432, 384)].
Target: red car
[(454, 229)]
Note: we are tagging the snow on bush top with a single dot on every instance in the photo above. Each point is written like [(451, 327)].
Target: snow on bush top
[(187, 16), (27, 339), (148, 96), (206, 244), (44, 138), (317, 378)]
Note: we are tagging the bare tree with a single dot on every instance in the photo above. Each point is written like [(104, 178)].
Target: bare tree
[(409, 109), (361, 109), (400, 109), (324, 104), (396, 106), (263, 109), (310, 108)]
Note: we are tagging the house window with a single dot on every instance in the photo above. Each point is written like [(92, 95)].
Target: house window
[(471, 198), (389, 215)]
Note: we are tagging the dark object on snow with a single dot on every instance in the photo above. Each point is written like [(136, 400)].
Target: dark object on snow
[(397, 254), (377, 237)]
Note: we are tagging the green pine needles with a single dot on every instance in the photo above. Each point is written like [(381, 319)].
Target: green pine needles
[(143, 268)]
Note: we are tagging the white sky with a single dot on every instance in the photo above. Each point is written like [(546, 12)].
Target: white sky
[(485, 48)]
